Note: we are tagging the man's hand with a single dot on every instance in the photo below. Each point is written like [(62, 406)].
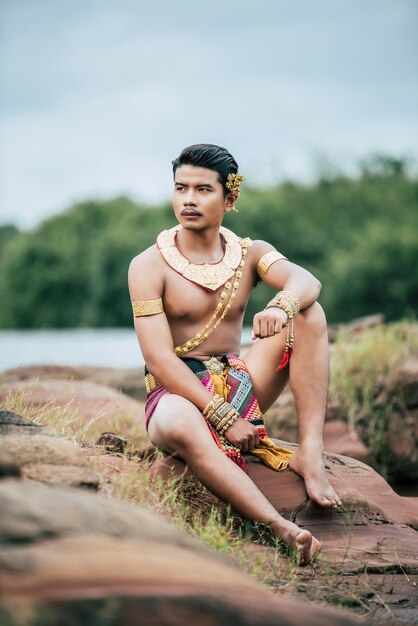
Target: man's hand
[(243, 435), (268, 322)]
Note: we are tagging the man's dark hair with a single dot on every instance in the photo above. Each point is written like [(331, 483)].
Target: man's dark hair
[(210, 156)]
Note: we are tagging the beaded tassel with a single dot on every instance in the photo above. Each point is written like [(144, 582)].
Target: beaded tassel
[(288, 348)]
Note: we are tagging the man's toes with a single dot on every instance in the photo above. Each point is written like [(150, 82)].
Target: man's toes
[(324, 501), (315, 547), (304, 543), (334, 502), (335, 499)]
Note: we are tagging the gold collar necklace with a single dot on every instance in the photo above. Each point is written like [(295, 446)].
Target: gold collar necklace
[(210, 276)]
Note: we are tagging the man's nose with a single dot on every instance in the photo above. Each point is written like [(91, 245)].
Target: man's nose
[(189, 197)]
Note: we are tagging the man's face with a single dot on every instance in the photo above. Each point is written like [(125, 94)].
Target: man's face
[(198, 198)]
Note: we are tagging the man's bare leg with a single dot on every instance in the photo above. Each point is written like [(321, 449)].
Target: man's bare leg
[(309, 379), (177, 426)]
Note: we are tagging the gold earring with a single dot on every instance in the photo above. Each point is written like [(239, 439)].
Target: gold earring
[(234, 209)]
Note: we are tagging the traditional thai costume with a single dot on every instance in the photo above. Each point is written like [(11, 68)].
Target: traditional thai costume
[(227, 377)]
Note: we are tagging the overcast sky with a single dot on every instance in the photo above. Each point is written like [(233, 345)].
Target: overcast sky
[(98, 96)]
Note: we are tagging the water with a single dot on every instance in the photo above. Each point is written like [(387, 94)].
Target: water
[(108, 347), (104, 347)]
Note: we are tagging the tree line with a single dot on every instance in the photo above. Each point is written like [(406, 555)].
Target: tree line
[(356, 234)]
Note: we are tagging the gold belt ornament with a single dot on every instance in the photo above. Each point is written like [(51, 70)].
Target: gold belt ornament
[(215, 366)]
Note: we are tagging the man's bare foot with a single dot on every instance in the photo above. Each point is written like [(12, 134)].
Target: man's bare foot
[(301, 541), (308, 463)]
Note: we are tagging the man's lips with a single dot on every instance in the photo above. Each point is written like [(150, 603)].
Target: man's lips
[(190, 212)]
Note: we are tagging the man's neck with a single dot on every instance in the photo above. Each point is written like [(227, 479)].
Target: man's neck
[(201, 246)]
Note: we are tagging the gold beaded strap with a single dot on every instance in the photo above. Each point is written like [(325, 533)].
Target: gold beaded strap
[(226, 299), (289, 303), (268, 259), (147, 307)]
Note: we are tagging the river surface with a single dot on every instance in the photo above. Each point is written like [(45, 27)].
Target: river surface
[(105, 347)]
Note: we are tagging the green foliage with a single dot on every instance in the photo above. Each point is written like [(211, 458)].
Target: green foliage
[(356, 235), (7, 231), (364, 384)]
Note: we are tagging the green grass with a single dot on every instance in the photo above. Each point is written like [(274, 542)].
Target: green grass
[(364, 366), (364, 371)]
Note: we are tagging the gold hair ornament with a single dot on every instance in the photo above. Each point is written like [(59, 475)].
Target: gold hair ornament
[(233, 182)]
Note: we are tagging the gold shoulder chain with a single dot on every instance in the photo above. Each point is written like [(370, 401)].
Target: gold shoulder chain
[(226, 299)]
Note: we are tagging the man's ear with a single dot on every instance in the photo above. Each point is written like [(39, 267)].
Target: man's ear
[(229, 202)]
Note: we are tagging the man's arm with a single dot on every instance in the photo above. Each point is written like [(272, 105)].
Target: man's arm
[(282, 275), (146, 282)]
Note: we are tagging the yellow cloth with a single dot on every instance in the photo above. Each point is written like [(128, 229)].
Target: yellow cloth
[(274, 456)]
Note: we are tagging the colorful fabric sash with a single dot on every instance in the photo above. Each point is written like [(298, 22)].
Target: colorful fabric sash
[(235, 386)]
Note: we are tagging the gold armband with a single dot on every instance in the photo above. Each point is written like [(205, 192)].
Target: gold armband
[(268, 259), (147, 307)]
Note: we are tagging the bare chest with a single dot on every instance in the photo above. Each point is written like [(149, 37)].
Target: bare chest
[(190, 303)]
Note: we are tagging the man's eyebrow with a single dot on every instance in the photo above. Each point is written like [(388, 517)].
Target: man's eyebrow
[(208, 185)]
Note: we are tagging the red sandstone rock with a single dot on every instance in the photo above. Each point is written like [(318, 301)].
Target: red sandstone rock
[(110, 556), (149, 565), (340, 439), (111, 443), (374, 528), (128, 380), (407, 383), (97, 407), (46, 459)]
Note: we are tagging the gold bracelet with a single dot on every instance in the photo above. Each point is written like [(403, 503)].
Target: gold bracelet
[(223, 417), (289, 296), (226, 418), (231, 420), (147, 307), (212, 402), (286, 301)]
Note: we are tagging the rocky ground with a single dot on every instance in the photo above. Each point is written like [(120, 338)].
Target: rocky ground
[(69, 555), (72, 550)]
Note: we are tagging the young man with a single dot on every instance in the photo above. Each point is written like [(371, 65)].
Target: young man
[(189, 293)]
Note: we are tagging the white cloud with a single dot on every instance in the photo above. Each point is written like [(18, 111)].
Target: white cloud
[(98, 97)]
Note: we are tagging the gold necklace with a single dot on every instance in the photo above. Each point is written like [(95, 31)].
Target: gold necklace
[(210, 276)]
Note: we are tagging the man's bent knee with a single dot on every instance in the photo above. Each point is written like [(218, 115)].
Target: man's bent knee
[(314, 315), (182, 431), (182, 425)]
